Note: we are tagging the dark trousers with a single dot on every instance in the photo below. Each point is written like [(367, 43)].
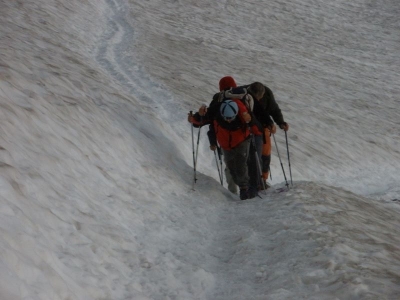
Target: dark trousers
[(236, 162), (255, 149)]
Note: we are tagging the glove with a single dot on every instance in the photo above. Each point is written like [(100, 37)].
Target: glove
[(190, 118), (271, 128), (246, 117), (284, 126), (213, 147), (202, 110)]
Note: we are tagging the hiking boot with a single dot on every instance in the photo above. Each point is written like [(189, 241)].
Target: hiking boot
[(252, 192), (249, 193), (244, 194)]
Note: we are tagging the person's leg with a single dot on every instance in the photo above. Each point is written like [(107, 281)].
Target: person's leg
[(232, 187), (266, 156), (254, 174), (251, 166), (236, 162), (259, 146)]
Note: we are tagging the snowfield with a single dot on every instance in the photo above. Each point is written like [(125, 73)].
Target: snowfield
[(96, 162)]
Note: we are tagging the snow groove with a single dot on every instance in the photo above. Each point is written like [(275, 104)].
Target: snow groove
[(116, 55)]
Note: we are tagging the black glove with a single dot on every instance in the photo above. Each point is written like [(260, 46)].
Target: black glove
[(284, 126)]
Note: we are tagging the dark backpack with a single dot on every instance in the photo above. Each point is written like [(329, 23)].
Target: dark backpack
[(238, 93), (248, 100)]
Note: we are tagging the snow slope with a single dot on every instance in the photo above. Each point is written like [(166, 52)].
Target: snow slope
[(96, 155)]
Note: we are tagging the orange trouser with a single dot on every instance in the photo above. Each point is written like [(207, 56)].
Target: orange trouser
[(266, 153)]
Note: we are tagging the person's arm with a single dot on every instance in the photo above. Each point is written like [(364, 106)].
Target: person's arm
[(272, 106), (275, 111), (212, 138), (197, 120)]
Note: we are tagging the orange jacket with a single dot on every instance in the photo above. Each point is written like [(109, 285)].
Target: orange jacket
[(229, 134)]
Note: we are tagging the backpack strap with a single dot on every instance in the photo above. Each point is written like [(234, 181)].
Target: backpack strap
[(221, 96), (249, 102), (242, 94)]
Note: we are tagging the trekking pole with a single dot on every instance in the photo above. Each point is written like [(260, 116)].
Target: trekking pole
[(288, 157), (277, 150), (219, 172), (197, 147), (259, 171), (220, 163), (258, 164), (194, 157)]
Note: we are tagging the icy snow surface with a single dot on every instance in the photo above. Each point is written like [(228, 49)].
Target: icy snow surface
[(96, 153)]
